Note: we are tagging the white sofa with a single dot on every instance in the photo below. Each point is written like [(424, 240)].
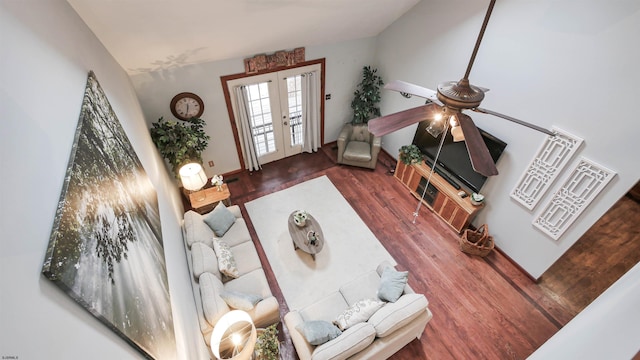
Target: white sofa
[(389, 329), (208, 282)]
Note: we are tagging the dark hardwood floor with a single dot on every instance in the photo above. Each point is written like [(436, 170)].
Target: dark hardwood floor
[(483, 308)]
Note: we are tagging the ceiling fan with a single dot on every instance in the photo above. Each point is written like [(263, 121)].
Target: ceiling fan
[(447, 103)]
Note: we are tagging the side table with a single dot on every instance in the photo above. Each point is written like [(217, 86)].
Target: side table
[(205, 200)]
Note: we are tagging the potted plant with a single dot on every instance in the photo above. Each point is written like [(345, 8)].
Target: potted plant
[(410, 154), (180, 142), (267, 345), (367, 96)]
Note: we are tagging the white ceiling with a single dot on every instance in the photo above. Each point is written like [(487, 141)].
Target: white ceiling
[(149, 35)]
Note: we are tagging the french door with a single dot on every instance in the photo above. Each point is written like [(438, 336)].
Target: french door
[(275, 111)]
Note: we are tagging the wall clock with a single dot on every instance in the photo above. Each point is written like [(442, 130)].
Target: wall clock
[(186, 105)]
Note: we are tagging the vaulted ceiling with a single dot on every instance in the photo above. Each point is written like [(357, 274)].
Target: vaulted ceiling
[(149, 35)]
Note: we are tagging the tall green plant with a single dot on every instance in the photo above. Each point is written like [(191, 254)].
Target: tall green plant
[(180, 142), (367, 96)]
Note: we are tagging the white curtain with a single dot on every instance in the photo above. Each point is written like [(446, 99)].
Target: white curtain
[(246, 130), (310, 112)]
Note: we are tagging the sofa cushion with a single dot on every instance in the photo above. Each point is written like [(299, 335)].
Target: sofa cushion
[(364, 286), (213, 305), (239, 300), (196, 230), (237, 234), (349, 343), (359, 312), (246, 257), (318, 332), (226, 261), (357, 151), (392, 284), (220, 219), (327, 308), (395, 315), (203, 259), (254, 282)]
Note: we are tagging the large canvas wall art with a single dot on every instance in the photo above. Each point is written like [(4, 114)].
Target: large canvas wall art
[(106, 250)]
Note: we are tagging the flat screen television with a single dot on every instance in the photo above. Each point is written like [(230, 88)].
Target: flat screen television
[(454, 158)]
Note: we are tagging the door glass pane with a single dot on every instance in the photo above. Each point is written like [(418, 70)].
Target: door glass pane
[(294, 94), (261, 119)]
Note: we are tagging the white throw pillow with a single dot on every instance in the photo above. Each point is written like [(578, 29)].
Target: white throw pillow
[(239, 300), (359, 312), (226, 261)]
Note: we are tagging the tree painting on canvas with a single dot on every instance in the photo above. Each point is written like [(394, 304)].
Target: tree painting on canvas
[(105, 249)]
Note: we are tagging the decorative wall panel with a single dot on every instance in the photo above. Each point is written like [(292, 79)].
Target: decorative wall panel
[(552, 157), (584, 183)]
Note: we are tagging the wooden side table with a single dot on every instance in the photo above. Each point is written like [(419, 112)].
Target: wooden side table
[(205, 200)]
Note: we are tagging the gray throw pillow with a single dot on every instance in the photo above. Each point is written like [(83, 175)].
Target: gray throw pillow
[(220, 219), (240, 301), (392, 284), (318, 332)]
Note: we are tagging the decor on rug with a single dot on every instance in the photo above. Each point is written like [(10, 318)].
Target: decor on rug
[(410, 154), (367, 96), (579, 189), (267, 345), (278, 59), (300, 217), (553, 155), (477, 242), (180, 142), (107, 231), (350, 248), (235, 333)]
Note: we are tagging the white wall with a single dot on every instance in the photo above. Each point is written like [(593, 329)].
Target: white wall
[(343, 62), (47, 52), (565, 64)]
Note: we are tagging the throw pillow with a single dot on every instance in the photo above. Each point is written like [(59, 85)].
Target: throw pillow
[(203, 259), (226, 261), (392, 284), (240, 301), (359, 312), (318, 332), (220, 219)]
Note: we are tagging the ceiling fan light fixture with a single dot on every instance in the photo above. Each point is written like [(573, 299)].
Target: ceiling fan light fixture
[(456, 132)]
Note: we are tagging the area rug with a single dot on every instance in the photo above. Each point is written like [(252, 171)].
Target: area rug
[(350, 248)]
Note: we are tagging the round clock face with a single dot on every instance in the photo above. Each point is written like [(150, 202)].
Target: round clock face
[(184, 106)]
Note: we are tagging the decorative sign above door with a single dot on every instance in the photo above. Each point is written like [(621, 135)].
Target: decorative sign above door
[(273, 61)]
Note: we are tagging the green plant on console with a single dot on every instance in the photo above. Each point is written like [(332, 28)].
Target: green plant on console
[(410, 154), (180, 142), (267, 346), (367, 96)]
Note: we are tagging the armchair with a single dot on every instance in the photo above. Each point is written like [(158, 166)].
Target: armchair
[(358, 147)]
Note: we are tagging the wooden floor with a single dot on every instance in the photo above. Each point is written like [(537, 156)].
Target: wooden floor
[(483, 308)]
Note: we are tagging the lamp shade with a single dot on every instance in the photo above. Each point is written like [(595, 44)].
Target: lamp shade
[(234, 331), (192, 176)]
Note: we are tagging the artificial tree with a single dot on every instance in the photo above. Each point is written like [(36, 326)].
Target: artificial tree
[(180, 142), (367, 96)]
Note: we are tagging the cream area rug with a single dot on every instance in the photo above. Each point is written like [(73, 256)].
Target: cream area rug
[(350, 248)]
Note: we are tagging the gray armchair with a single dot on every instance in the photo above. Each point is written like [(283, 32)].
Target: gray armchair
[(358, 147)]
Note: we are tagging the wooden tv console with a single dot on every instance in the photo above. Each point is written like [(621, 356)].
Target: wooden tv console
[(441, 196)]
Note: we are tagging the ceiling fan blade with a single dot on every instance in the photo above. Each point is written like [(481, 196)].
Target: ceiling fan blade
[(411, 89), (479, 155), (392, 122), (517, 121)]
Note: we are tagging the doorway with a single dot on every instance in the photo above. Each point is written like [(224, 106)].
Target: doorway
[(272, 114)]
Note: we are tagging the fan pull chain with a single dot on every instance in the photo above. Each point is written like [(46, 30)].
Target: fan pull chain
[(435, 161)]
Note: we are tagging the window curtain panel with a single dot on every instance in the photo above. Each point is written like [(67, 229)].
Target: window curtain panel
[(310, 112), (249, 152)]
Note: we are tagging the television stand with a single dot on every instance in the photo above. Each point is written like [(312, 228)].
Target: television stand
[(443, 198)]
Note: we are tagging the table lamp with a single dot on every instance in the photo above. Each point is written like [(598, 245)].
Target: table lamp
[(235, 333), (192, 176)]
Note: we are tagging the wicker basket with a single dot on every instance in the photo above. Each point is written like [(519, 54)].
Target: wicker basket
[(477, 242)]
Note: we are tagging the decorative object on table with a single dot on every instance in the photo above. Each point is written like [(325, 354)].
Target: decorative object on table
[(107, 231), (234, 335), (187, 105), (313, 238), (267, 345), (477, 199), (193, 178), (367, 96), (477, 242), (410, 154), (300, 218), (579, 189), (216, 181), (180, 142), (552, 156)]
